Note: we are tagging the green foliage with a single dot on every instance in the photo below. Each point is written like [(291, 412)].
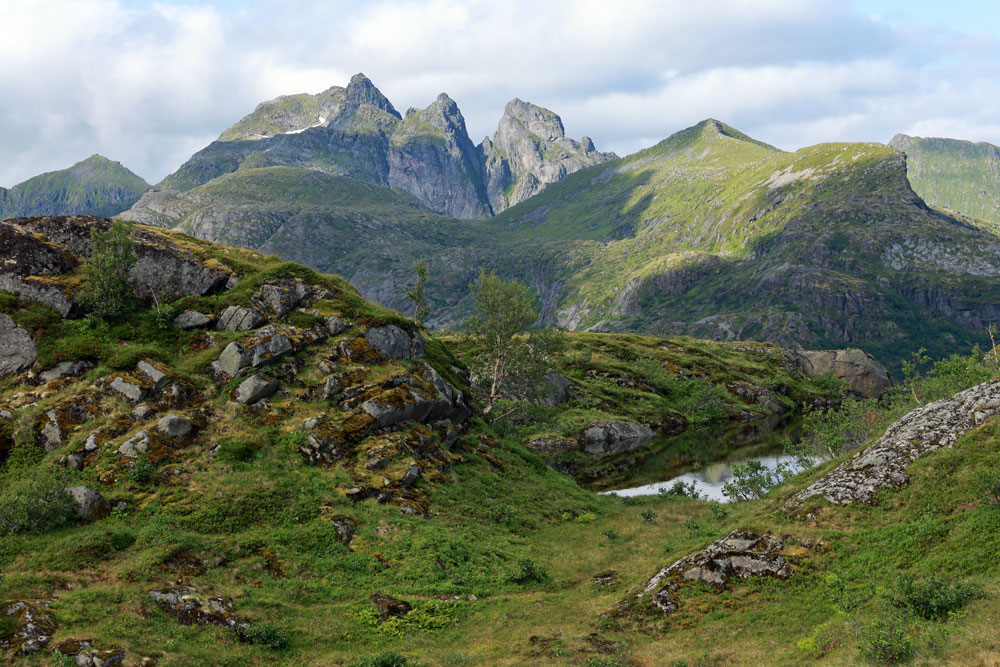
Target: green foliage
[(425, 615), (682, 489), (417, 296), (34, 500), (141, 472), (886, 639), (236, 450), (934, 597), (388, 659), (8, 625), (266, 634), (106, 282), (648, 515), (989, 482), (751, 480), (527, 572)]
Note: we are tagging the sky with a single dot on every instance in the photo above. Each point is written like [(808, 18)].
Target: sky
[(149, 83)]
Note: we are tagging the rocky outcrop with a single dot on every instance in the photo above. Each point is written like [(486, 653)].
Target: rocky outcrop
[(864, 375), (264, 347), (187, 607), (388, 606), (191, 319), (238, 318), (738, 555), (529, 151), (611, 438), (391, 342), (46, 271), (431, 156), (17, 349), (255, 388), (34, 625), (89, 505), (883, 464)]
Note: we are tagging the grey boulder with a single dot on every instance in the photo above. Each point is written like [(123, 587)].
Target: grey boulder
[(394, 343), (65, 369), (610, 438), (238, 318), (89, 504), (262, 348), (191, 319), (255, 388), (17, 350), (864, 375), (173, 426)]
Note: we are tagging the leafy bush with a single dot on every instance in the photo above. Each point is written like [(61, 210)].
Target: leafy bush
[(649, 516), (106, 282), (35, 501), (753, 479), (425, 615), (389, 659), (265, 634), (236, 450), (528, 571), (886, 640), (681, 488), (141, 472), (933, 597)]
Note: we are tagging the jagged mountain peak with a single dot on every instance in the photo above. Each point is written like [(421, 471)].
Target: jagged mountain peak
[(361, 90)]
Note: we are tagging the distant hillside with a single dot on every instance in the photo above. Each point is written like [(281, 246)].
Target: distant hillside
[(96, 186), (356, 132), (956, 175)]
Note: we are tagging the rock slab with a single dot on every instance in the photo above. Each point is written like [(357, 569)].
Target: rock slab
[(17, 350)]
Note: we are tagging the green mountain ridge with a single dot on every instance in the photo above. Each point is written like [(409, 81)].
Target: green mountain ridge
[(95, 186), (956, 175)]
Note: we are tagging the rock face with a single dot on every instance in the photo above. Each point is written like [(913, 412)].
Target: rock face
[(255, 388), (529, 151), (738, 555), (34, 626), (610, 438), (262, 348), (174, 426), (65, 369), (394, 343), (929, 427), (17, 350), (864, 375), (238, 318), (44, 272), (191, 319), (427, 153)]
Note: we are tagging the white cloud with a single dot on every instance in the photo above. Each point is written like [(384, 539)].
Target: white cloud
[(149, 86)]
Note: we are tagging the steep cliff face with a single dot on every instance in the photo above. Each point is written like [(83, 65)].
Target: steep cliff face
[(356, 132), (529, 151), (95, 186), (431, 157), (959, 176)]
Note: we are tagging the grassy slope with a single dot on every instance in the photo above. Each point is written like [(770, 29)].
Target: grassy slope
[(95, 186), (258, 525), (957, 175)]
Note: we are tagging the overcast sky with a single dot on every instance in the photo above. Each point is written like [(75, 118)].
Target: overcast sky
[(149, 83)]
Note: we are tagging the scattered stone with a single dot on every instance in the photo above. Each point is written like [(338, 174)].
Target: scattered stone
[(90, 505), (17, 350), (184, 605), (34, 626), (607, 578), (173, 426), (554, 390), (158, 377), (84, 653), (929, 427), (388, 606), (255, 388), (191, 319), (238, 318), (281, 298), (51, 435), (394, 343), (336, 325), (65, 369), (410, 477), (864, 375), (141, 412), (263, 347), (346, 528), (136, 446), (128, 387), (232, 282), (739, 555), (331, 387), (610, 438)]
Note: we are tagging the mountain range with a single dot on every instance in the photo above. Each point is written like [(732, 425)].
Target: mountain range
[(709, 233)]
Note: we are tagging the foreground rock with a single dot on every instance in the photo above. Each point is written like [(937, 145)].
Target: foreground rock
[(184, 604), (738, 555), (90, 505), (864, 375), (85, 654), (17, 350), (610, 438), (262, 348), (930, 427), (34, 626), (388, 606), (255, 388)]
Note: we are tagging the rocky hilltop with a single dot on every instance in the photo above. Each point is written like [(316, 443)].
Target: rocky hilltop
[(95, 186), (356, 132), (959, 176)]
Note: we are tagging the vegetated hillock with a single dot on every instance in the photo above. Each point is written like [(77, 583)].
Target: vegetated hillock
[(267, 469), (611, 399), (958, 176), (95, 186)]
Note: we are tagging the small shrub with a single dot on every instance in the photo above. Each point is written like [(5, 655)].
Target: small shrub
[(681, 489), (36, 501), (989, 483), (141, 473), (886, 640), (719, 511), (753, 479), (630, 501), (106, 282), (265, 634), (649, 516), (389, 659), (586, 517), (933, 597), (236, 450), (528, 571), (610, 534)]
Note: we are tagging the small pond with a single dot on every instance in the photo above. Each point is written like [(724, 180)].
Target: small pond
[(704, 457)]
